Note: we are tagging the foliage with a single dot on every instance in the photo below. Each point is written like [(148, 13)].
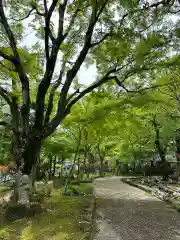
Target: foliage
[(128, 41), (59, 145)]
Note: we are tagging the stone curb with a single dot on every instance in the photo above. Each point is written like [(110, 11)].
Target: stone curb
[(150, 190), (88, 231), (142, 187), (93, 211)]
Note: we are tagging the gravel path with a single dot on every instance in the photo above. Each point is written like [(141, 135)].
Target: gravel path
[(127, 213)]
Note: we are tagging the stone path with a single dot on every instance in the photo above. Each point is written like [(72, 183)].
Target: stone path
[(127, 213)]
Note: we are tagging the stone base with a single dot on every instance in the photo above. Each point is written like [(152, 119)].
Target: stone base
[(15, 211)]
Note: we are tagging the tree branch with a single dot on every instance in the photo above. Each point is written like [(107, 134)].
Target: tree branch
[(146, 6), (45, 83), (80, 59), (62, 8), (102, 81), (51, 97), (102, 39), (45, 14), (48, 15), (7, 57), (39, 13), (29, 13), (19, 68), (51, 36), (157, 4), (48, 129), (72, 21), (5, 94), (73, 94), (87, 44), (9, 69), (25, 17), (86, 91), (50, 65), (45, 6), (101, 9), (146, 88), (119, 83), (64, 109)]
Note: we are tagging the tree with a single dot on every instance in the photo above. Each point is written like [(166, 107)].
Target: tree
[(93, 29), (172, 92), (132, 118), (78, 124), (59, 146)]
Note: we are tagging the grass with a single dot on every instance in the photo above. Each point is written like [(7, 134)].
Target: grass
[(93, 176), (59, 221), (80, 187), (59, 182)]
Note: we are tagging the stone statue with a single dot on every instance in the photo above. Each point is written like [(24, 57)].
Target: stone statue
[(24, 190), (49, 188)]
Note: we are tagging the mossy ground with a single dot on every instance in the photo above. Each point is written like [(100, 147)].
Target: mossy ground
[(3, 190), (59, 220)]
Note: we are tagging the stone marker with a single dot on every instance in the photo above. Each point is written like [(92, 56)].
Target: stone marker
[(24, 190)]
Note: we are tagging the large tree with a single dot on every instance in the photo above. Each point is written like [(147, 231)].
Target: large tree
[(122, 37)]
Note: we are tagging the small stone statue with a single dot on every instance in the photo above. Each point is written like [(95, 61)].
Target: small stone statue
[(49, 188), (24, 190)]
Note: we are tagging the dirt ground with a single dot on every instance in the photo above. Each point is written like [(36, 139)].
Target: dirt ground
[(127, 213)]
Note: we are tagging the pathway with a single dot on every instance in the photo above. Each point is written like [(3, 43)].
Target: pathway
[(127, 213)]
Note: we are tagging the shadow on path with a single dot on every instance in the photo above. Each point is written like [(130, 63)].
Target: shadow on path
[(126, 213)]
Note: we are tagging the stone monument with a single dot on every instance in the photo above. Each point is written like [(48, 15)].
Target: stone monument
[(24, 190)]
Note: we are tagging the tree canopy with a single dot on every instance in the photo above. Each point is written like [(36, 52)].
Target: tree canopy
[(131, 43)]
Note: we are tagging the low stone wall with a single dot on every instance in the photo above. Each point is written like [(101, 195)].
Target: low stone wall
[(161, 192), (93, 212), (86, 225)]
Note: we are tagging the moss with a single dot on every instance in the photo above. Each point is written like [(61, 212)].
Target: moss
[(59, 220), (4, 190), (82, 187)]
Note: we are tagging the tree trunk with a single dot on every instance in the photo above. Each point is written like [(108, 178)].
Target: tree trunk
[(177, 140), (54, 166), (161, 150), (78, 165), (26, 153), (68, 178), (84, 161), (62, 165), (31, 155), (160, 147), (50, 165), (101, 167), (72, 168), (88, 170), (164, 164), (27, 158), (117, 168), (34, 170)]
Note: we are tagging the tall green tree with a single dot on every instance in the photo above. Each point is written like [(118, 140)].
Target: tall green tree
[(123, 38)]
